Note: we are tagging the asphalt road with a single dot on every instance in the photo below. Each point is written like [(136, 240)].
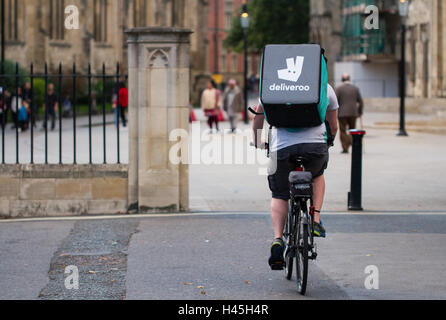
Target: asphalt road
[(221, 251), (220, 256)]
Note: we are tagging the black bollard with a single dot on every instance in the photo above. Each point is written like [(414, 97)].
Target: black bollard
[(355, 194)]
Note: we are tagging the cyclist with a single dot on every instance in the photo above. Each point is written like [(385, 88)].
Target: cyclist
[(310, 143)]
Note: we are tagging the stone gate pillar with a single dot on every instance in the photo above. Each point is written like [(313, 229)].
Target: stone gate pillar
[(159, 75)]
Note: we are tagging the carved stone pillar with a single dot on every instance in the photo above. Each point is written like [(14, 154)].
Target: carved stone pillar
[(158, 103)]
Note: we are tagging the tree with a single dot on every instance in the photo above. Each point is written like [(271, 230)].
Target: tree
[(272, 22), (10, 79)]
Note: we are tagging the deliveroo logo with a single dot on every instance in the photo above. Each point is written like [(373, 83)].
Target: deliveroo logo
[(293, 71)]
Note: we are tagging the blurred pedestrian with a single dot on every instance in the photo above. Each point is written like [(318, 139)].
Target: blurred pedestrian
[(5, 98), (123, 103), (351, 107), (233, 103), (32, 107), (16, 104), (51, 107), (211, 101), (22, 116), (66, 107)]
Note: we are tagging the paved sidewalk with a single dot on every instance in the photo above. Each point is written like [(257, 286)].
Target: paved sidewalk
[(399, 174)]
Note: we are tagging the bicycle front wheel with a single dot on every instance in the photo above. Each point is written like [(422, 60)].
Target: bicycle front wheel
[(302, 258)]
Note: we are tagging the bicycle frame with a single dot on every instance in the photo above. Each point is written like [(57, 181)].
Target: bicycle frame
[(306, 217), (299, 235)]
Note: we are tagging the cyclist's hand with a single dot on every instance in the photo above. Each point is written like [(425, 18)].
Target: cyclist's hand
[(331, 141)]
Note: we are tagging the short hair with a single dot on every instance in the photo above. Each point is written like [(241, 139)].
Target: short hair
[(346, 77)]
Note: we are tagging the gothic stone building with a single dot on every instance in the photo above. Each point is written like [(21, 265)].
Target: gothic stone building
[(35, 31), (373, 57)]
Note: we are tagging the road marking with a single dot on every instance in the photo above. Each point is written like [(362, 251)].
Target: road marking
[(210, 214)]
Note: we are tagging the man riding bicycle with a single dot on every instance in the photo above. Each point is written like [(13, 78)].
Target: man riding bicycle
[(309, 143)]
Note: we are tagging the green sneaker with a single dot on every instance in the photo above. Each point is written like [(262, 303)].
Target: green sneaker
[(319, 230)]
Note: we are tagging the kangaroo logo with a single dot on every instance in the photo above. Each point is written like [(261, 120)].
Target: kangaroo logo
[(293, 71)]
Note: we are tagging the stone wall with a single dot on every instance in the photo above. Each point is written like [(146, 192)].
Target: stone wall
[(62, 190)]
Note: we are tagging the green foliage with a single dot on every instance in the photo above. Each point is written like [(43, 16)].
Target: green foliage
[(39, 92), (272, 22), (10, 71)]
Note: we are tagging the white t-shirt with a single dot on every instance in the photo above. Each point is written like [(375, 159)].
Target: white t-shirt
[(282, 138)]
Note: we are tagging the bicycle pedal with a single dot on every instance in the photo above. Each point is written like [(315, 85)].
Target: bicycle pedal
[(277, 267)]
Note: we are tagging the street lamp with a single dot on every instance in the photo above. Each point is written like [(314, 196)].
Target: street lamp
[(244, 21), (403, 8)]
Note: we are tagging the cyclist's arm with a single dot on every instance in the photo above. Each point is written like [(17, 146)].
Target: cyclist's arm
[(258, 127), (332, 111), (332, 118)]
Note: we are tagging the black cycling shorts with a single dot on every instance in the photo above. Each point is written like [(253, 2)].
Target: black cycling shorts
[(316, 155)]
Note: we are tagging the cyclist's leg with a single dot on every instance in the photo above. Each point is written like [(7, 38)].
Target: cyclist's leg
[(318, 196), (317, 155), (279, 212), (279, 171)]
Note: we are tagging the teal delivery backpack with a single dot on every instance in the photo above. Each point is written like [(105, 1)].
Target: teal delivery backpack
[(293, 85)]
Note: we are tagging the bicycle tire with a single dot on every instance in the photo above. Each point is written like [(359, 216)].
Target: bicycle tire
[(302, 258), (290, 236)]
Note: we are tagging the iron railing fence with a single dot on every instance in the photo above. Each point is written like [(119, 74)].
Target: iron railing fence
[(59, 80)]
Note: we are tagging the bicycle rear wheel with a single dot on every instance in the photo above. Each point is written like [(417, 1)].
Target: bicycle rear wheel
[(302, 257), (290, 236)]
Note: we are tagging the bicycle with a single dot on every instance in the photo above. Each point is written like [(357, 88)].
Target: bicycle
[(299, 227), (298, 232)]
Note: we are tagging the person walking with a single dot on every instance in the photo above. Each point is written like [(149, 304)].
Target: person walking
[(351, 107), (211, 104), (122, 104), (233, 103), (53, 105), (22, 116), (28, 98), (16, 104), (5, 101), (67, 107)]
